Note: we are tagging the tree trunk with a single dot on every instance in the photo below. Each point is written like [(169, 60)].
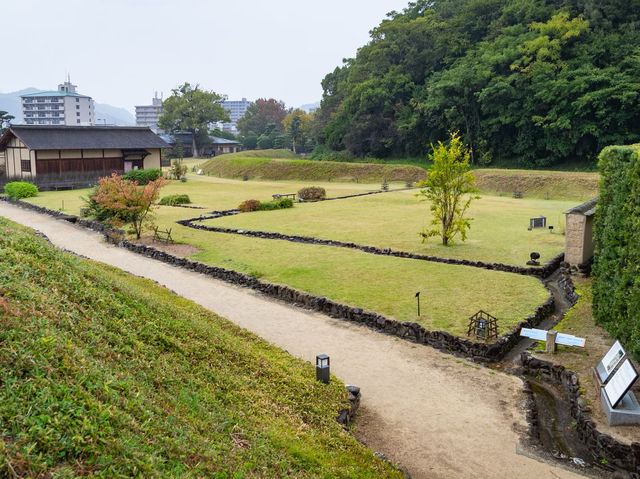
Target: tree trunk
[(194, 147)]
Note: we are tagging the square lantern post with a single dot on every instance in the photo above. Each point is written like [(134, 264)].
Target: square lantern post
[(322, 368)]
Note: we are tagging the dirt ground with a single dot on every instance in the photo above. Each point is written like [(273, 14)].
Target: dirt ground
[(176, 249), (434, 414)]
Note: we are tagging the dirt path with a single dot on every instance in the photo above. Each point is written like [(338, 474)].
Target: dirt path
[(435, 415)]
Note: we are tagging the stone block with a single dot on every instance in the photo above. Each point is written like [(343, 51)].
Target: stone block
[(627, 412)]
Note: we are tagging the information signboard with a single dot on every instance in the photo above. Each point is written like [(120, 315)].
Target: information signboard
[(620, 382), (610, 361), (569, 340), (539, 334)]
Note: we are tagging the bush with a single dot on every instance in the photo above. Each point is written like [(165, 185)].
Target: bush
[(312, 193), (249, 205), (175, 200), (276, 204), (177, 170), (616, 284), (20, 189), (143, 177)]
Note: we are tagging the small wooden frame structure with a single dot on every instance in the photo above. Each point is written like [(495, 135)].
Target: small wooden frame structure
[(162, 235), (483, 326)]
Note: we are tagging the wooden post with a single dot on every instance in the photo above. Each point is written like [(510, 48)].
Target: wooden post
[(551, 341)]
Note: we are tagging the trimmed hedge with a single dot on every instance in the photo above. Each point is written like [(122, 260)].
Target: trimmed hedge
[(175, 200), (313, 193), (276, 204), (616, 268), (142, 177), (20, 189)]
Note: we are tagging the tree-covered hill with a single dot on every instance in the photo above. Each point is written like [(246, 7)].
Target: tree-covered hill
[(529, 83)]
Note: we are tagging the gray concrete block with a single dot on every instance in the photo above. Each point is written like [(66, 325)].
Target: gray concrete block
[(627, 412)]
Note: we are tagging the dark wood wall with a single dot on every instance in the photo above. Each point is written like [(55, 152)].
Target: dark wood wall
[(67, 165)]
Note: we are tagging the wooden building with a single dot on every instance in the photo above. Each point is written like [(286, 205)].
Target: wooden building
[(32, 151)]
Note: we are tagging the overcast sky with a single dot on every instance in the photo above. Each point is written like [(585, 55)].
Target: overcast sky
[(121, 51)]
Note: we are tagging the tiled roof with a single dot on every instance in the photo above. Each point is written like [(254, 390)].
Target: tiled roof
[(587, 208)]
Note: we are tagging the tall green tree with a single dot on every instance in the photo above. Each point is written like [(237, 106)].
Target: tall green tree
[(297, 125), (192, 109), (263, 118), (449, 189)]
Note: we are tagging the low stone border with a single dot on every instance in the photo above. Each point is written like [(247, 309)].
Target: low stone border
[(411, 331), (361, 194), (542, 272), (601, 445), (568, 290), (185, 206), (348, 414)]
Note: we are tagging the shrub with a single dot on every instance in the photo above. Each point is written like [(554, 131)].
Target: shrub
[(20, 189), (616, 284), (276, 204), (175, 200), (249, 205), (143, 177), (177, 170), (312, 193)]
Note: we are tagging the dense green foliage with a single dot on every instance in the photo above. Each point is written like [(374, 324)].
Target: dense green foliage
[(261, 125), (143, 177), (192, 109), (5, 121), (20, 189), (616, 268), (175, 200), (278, 204), (530, 83), (107, 375), (448, 189)]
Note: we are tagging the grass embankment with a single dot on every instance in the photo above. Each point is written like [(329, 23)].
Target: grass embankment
[(562, 185), (307, 170), (108, 375)]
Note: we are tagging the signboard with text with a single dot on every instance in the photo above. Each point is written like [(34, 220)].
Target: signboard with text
[(620, 383), (610, 361)]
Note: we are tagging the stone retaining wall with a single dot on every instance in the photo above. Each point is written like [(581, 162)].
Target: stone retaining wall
[(411, 331), (542, 272), (348, 414), (603, 446)]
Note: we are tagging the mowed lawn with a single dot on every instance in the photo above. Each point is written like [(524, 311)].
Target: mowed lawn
[(393, 220), (450, 294)]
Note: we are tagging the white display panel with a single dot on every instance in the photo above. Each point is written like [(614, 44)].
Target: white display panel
[(620, 382), (610, 361)]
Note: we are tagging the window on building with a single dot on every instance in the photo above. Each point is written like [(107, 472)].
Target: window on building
[(77, 113), (77, 107), (41, 122), (77, 121), (25, 166), (77, 100)]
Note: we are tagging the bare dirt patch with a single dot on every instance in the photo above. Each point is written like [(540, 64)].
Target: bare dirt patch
[(177, 249)]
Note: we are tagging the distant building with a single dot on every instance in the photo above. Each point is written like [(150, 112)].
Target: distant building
[(56, 152), (148, 115), (215, 146), (236, 109), (62, 107)]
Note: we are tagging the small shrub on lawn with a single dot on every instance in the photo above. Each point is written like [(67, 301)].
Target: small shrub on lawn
[(276, 205), (249, 205), (175, 200), (177, 170), (312, 193), (143, 177), (20, 189)]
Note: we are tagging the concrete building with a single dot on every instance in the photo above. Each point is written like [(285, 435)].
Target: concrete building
[(62, 107), (579, 244), (57, 152), (148, 115), (236, 109)]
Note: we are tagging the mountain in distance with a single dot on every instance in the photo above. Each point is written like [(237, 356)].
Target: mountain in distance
[(309, 107), (109, 114)]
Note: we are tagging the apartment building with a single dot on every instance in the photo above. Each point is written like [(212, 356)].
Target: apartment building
[(148, 115), (236, 109), (62, 107)]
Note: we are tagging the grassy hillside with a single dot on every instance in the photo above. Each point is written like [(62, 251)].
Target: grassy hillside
[(108, 375), (538, 183), (274, 153), (279, 169)]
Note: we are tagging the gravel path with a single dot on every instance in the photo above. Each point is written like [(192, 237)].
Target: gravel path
[(435, 415)]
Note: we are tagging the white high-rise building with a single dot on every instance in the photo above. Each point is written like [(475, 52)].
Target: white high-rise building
[(62, 107), (236, 109), (148, 115)]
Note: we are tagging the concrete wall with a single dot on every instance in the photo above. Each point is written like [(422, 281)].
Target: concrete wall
[(82, 106), (579, 245)]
